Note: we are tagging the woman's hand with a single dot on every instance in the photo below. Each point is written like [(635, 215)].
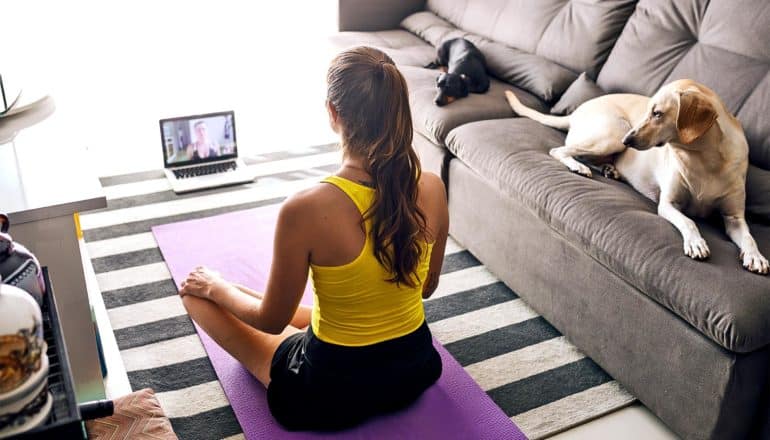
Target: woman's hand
[(201, 282)]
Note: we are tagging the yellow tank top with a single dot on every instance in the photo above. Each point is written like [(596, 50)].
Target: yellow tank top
[(354, 304)]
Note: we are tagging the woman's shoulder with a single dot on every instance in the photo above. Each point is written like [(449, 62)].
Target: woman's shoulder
[(431, 179), (310, 200), (431, 185), (313, 212)]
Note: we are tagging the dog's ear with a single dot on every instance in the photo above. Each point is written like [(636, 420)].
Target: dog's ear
[(442, 53), (696, 116), (464, 88)]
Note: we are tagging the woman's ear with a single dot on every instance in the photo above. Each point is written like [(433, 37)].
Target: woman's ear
[(696, 116), (333, 116)]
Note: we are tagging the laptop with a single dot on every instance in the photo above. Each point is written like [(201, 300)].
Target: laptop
[(200, 152)]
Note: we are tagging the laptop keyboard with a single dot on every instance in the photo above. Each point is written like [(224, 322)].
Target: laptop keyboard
[(204, 170)]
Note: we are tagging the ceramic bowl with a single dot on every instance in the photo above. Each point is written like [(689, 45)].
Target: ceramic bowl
[(15, 400), (31, 420), (21, 339), (29, 400)]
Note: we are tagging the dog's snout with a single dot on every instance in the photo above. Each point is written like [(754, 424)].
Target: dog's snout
[(628, 139)]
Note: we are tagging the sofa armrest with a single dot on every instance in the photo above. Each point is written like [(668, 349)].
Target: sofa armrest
[(374, 15)]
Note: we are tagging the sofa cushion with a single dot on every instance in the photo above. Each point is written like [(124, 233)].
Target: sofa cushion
[(435, 122), (578, 34), (533, 73), (137, 416), (405, 48), (580, 91), (758, 195), (621, 230), (715, 42)]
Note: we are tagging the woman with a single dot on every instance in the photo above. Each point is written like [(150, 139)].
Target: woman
[(202, 148), (372, 237)]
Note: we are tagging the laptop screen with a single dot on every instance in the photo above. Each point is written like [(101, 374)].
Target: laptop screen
[(189, 140)]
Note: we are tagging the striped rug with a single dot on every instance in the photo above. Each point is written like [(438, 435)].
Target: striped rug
[(530, 370)]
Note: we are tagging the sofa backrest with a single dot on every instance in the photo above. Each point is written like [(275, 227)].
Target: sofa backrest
[(724, 44), (578, 34)]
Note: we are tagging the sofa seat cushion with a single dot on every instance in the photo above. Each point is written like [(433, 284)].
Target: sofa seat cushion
[(436, 122), (405, 48), (621, 230), (758, 194)]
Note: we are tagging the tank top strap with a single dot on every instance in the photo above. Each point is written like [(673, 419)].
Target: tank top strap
[(361, 195)]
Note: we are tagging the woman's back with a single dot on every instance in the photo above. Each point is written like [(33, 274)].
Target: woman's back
[(355, 303)]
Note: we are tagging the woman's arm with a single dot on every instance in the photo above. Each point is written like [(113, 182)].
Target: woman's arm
[(246, 290), (437, 196), (288, 275), (286, 283)]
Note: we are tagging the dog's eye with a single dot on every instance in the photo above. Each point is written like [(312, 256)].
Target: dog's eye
[(657, 114)]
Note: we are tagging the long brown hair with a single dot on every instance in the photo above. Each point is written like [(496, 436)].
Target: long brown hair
[(372, 104)]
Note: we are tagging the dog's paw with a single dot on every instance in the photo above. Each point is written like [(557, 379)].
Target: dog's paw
[(755, 262), (696, 248), (609, 171), (580, 169)]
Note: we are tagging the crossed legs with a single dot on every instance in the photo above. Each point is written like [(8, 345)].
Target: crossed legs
[(251, 347)]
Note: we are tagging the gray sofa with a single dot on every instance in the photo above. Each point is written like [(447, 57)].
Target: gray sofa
[(689, 339)]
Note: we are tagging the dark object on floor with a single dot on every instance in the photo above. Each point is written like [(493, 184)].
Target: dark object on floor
[(466, 71), (137, 416)]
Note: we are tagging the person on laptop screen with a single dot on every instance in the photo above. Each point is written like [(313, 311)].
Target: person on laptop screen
[(202, 147), (200, 152)]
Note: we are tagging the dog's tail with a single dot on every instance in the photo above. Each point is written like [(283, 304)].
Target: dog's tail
[(558, 122)]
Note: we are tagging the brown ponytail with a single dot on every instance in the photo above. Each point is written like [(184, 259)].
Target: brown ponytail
[(372, 103)]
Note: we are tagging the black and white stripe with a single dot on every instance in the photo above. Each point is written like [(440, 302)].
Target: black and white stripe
[(531, 371)]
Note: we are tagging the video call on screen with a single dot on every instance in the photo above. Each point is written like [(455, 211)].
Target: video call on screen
[(198, 138)]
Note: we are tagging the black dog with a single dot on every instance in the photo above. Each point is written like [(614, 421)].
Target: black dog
[(466, 71)]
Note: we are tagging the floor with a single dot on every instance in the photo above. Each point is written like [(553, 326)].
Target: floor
[(141, 61)]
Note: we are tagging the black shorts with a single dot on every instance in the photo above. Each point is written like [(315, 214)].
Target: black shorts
[(318, 386)]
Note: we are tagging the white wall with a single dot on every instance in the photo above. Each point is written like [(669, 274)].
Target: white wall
[(116, 68)]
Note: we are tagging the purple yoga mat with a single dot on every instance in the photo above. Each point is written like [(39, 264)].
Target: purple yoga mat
[(239, 245)]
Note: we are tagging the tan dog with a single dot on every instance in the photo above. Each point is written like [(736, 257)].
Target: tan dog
[(700, 166)]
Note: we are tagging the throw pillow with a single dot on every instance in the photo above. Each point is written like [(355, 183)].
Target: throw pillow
[(580, 91), (137, 416)]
